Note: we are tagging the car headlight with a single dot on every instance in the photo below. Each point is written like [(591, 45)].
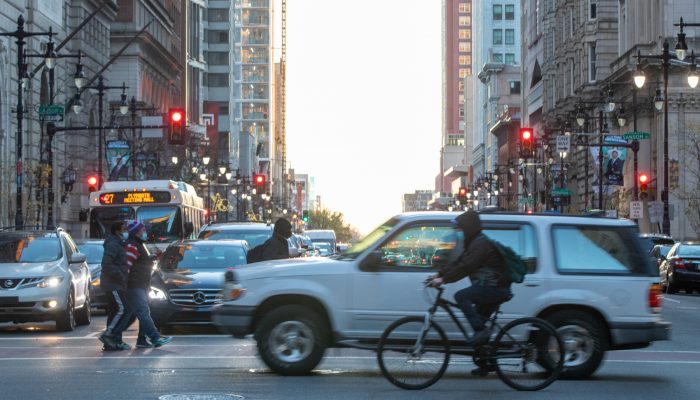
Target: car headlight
[(52, 281), (156, 294)]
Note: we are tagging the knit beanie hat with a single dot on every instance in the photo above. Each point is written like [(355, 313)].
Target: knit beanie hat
[(134, 226)]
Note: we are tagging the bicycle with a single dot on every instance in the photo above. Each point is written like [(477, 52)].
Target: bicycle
[(528, 348)]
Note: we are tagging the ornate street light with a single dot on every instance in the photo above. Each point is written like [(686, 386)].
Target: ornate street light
[(658, 100), (77, 104), (621, 117), (206, 160), (174, 159), (693, 77), (639, 77)]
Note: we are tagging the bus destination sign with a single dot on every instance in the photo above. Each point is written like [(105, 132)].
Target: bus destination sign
[(119, 198)]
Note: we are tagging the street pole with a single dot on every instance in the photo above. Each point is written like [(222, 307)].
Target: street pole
[(132, 107), (600, 159), (666, 226), (635, 143), (535, 197), (561, 180), (585, 182), (100, 111)]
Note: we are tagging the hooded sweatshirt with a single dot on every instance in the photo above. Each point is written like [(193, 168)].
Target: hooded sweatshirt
[(480, 259)]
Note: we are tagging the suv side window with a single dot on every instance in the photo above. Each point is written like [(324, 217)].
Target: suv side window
[(607, 250), (520, 238), (418, 247)]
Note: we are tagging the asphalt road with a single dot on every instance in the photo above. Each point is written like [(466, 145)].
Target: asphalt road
[(38, 363)]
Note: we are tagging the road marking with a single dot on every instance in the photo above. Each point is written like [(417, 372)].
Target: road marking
[(670, 299), (94, 336)]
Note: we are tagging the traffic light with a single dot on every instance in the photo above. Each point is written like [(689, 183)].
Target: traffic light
[(93, 183), (305, 215), (462, 192), (176, 118), (527, 135), (259, 179), (643, 185)]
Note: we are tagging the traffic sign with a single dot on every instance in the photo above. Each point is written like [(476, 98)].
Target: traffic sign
[(637, 136), (563, 143), (561, 192), (636, 209), (656, 211), (52, 112)]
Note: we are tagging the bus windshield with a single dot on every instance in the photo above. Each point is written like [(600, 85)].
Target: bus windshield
[(164, 224), (101, 219)]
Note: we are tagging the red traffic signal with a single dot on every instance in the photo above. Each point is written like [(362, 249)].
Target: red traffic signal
[(526, 137), (259, 179), (643, 178), (643, 185), (462, 192), (177, 126), (93, 183)]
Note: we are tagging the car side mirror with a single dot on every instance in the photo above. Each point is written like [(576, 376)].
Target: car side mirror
[(372, 261), (77, 258), (189, 229)]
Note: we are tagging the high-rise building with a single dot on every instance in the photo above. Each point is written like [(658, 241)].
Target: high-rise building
[(416, 201), (457, 65)]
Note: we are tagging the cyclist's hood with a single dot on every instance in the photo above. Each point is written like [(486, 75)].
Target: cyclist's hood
[(469, 224)]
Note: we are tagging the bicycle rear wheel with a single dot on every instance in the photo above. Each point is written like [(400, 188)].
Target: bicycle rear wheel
[(529, 354), (408, 362)]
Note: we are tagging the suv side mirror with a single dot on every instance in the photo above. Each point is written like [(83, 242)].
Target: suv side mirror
[(372, 261), (77, 258), (189, 229)]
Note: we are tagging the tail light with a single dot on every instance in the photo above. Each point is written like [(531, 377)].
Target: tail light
[(655, 297), (678, 263)]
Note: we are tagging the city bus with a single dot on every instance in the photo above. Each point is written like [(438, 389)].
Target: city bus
[(170, 210)]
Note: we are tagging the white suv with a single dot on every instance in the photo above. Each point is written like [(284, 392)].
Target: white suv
[(589, 277), (43, 277)]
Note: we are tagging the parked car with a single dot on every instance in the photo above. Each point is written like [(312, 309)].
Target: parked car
[(188, 280), (681, 268), (255, 233), (43, 277), (588, 277), (324, 240), (295, 247), (659, 252), (652, 239), (93, 250)]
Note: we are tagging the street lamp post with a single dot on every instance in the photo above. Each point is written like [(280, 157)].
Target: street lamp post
[(207, 177), (22, 79)]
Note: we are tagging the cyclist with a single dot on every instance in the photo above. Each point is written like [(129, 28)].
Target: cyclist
[(485, 267)]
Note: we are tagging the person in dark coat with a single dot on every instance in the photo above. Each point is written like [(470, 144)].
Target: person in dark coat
[(485, 267), (113, 281), (140, 265), (277, 247)]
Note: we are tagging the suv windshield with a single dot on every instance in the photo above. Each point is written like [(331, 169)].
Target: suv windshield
[(182, 258), (29, 249), (254, 237), (93, 252), (369, 240)]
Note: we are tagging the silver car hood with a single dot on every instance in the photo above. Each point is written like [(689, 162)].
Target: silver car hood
[(30, 270)]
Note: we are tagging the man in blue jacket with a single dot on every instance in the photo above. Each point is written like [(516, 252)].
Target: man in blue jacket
[(113, 281)]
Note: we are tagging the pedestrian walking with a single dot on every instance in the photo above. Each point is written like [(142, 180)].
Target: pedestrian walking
[(274, 248), (113, 281), (140, 265)]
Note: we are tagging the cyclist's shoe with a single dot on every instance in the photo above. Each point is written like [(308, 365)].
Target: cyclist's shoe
[(483, 371), (480, 337)]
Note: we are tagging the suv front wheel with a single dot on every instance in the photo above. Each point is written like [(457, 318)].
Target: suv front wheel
[(584, 342), (66, 320), (291, 340)]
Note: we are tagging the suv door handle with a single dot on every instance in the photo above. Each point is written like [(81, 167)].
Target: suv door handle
[(532, 284)]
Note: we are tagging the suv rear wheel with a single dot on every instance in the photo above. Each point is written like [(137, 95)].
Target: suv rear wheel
[(584, 340), (291, 340), (66, 320)]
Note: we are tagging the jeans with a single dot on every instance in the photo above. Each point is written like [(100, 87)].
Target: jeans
[(137, 300), (478, 302)]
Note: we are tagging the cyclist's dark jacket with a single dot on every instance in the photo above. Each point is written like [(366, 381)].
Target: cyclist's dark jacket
[(480, 259)]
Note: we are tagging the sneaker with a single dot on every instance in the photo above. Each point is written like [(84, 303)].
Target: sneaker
[(143, 345), (122, 346), (479, 337), (163, 340), (483, 371), (109, 348), (108, 340)]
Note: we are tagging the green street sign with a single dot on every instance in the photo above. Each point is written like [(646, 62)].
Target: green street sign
[(52, 109), (561, 192), (637, 136)]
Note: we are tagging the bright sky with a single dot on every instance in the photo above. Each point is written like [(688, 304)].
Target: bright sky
[(363, 101)]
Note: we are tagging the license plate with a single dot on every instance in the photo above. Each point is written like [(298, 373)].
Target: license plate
[(4, 301)]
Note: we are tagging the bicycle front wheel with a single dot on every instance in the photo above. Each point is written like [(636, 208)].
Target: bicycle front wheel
[(529, 354), (411, 355)]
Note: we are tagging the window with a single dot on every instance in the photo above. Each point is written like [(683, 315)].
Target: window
[(461, 86), (520, 238), (218, 15), (514, 87), (571, 76), (217, 36), (592, 9), (498, 58), (463, 72), (418, 247), (510, 12), (591, 62), (465, 47), (572, 21), (461, 112), (462, 60), (510, 58), (608, 250), (461, 99), (218, 58), (510, 36), (464, 8), (465, 33), (465, 21), (216, 80), (497, 12), (223, 107), (497, 36)]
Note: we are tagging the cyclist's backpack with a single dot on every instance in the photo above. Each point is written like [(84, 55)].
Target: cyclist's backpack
[(515, 267), (255, 254)]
